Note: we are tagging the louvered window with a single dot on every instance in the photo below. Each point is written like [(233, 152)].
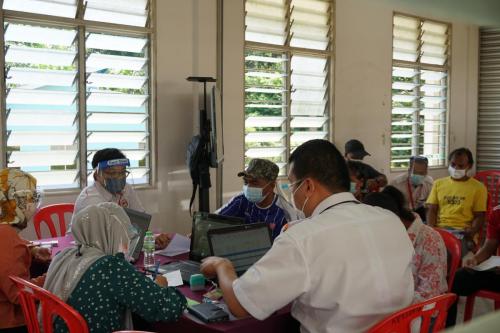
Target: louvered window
[(488, 132), (421, 64), (74, 87), (288, 56)]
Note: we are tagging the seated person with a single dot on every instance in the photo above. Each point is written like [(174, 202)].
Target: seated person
[(415, 185), (458, 202), (429, 264), (336, 266), (355, 151), (95, 278), (110, 185), (468, 281), (364, 178), (18, 202), (259, 202)]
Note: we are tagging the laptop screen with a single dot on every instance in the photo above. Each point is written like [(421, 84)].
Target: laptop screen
[(140, 221), (202, 223), (243, 245)]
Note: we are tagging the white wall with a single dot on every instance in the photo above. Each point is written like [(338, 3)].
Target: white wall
[(363, 79), (186, 45)]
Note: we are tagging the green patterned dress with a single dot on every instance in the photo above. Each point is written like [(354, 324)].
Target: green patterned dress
[(112, 285)]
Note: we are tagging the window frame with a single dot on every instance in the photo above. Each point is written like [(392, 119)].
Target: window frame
[(289, 51), (417, 65), (83, 26)]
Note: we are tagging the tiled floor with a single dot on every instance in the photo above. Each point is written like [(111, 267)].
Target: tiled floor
[(481, 307)]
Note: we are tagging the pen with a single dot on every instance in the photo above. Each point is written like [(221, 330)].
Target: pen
[(157, 266)]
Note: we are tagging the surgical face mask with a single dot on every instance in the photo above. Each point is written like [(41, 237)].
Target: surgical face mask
[(115, 185), (352, 189), (301, 211), (254, 194), (416, 179), (456, 173)]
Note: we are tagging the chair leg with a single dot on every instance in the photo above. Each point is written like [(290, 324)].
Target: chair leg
[(469, 307)]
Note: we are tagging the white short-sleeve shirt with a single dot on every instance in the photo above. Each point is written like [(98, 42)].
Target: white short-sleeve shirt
[(344, 269), (96, 193), (419, 193)]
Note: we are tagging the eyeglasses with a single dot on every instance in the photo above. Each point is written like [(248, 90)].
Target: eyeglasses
[(116, 174)]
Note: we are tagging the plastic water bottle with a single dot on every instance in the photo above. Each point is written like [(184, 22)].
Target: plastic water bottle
[(148, 249)]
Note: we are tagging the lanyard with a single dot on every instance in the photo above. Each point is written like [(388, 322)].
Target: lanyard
[(337, 204), (410, 194)]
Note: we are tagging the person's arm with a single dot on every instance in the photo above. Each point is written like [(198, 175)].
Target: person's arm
[(277, 279), (487, 250), (14, 261), (476, 225), (144, 297), (432, 212), (223, 269)]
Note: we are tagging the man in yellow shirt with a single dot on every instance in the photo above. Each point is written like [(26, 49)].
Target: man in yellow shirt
[(458, 202)]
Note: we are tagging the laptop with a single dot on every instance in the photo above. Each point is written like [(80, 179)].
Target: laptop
[(141, 222), (243, 245), (199, 249)]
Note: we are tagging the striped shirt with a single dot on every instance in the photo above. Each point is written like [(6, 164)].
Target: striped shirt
[(239, 206)]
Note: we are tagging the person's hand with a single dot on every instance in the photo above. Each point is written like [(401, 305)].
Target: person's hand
[(469, 233), (41, 254), (210, 265), (161, 281), (162, 241), (471, 262), (39, 280)]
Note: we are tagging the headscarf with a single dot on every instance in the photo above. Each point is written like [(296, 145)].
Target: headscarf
[(17, 191), (99, 230)]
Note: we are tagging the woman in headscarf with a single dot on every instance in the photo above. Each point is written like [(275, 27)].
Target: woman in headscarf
[(96, 279), (18, 202)]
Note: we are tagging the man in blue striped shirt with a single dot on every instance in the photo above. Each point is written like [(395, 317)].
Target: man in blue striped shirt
[(258, 202)]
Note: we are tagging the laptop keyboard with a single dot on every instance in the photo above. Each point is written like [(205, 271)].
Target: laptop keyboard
[(187, 268)]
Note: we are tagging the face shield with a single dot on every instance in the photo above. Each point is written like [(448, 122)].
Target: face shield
[(114, 174)]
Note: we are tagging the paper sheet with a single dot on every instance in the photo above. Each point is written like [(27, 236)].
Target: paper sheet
[(174, 278), (492, 262), (178, 245)]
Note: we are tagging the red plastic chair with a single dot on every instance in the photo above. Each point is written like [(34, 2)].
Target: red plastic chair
[(490, 179), (401, 321), (45, 215), (52, 306), (454, 248), (469, 304)]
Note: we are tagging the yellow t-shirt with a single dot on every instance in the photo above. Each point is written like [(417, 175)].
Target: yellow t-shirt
[(458, 201)]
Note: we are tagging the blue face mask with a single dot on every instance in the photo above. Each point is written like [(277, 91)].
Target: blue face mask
[(353, 187), (253, 194), (115, 185), (417, 179)]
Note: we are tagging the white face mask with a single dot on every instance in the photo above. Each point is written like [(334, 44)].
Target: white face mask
[(456, 173), (301, 213)]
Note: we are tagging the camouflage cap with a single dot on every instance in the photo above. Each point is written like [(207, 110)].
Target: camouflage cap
[(260, 168)]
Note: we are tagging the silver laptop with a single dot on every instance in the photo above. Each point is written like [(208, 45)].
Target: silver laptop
[(140, 221)]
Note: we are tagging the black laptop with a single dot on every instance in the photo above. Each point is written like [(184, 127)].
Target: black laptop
[(199, 249), (243, 245)]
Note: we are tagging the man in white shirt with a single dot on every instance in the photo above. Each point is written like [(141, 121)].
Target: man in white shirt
[(344, 268), (416, 184), (110, 185)]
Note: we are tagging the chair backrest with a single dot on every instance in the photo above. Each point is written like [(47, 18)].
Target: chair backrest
[(402, 320), (45, 215), (51, 306), (454, 249), (490, 179)]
